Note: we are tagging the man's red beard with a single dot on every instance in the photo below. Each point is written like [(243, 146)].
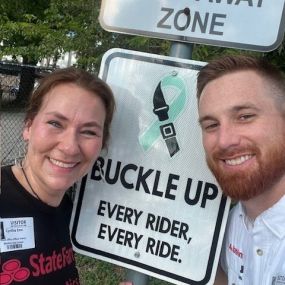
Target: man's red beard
[(244, 185)]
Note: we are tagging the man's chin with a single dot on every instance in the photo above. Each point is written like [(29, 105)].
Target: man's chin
[(239, 187), (235, 197)]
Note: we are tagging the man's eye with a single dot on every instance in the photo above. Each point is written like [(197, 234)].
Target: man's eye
[(209, 127), (54, 124), (246, 117)]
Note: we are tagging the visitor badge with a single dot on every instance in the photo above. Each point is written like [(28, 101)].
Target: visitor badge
[(16, 234)]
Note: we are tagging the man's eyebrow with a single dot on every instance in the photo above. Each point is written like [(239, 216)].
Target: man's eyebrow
[(234, 109), (244, 107), (206, 118)]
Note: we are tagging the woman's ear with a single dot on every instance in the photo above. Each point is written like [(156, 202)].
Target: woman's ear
[(26, 131)]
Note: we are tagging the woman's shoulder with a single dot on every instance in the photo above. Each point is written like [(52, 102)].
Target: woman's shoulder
[(7, 176), (7, 169)]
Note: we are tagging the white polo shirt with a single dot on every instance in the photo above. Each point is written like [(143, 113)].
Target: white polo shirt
[(254, 253)]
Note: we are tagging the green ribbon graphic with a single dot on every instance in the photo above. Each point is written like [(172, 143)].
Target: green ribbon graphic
[(148, 138)]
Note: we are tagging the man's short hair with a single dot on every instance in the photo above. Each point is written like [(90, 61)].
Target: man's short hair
[(233, 63)]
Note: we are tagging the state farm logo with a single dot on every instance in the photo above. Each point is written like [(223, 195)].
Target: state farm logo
[(39, 265), (12, 271)]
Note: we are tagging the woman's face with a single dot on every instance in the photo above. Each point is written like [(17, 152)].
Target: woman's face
[(64, 139)]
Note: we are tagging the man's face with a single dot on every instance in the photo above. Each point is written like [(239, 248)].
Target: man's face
[(243, 134)]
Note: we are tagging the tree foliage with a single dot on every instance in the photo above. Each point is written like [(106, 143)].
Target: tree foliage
[(49, 28)]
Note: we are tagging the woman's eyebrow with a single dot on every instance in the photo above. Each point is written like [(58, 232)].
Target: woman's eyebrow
[(87, 124)]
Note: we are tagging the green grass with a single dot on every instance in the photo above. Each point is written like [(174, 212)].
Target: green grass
[(96, 272)]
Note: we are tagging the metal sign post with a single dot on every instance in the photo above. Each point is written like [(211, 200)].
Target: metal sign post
[(137, 278), (181, 50)]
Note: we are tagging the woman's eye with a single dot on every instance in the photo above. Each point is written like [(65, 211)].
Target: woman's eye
[(54, 124), (89, 133)]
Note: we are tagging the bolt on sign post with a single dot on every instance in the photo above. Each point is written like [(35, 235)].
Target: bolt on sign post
[(245, 24), (154, 207)]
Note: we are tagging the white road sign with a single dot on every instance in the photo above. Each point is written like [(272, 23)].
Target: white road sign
[(247, 24), (158, 209)]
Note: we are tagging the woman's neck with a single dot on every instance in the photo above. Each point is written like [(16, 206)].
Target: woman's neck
[(23, 177)]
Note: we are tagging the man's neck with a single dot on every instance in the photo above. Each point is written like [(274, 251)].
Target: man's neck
[(257, 205)]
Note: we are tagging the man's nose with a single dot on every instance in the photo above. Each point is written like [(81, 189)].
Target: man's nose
[(228, 136)]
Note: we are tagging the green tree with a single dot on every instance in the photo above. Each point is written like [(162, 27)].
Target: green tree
[(48, 28), (22, 29)]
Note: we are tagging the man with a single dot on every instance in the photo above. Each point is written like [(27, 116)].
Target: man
[(241, 103)]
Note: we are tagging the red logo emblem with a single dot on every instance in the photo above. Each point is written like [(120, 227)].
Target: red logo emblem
[(12, 271), (235, 250)]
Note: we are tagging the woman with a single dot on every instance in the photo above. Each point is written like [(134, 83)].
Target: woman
[(66, 125)]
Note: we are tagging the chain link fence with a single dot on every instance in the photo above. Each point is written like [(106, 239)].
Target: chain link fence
[(16, 84), (12, 144)]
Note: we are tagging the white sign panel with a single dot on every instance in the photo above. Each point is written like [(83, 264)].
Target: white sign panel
[(247, 24), (158, 209)]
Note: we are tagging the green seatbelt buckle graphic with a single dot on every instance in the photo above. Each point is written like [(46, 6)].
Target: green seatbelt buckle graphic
[(166, 114), (169, 136)]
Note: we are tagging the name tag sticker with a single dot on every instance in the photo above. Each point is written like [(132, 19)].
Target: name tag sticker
[(16, 234)]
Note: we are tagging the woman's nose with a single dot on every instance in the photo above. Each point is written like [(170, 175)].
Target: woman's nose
[(69, 143)]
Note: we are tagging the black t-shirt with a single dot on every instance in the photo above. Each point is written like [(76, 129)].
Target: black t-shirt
[(35, 240)]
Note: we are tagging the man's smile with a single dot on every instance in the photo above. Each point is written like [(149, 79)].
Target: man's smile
[(238, 160)]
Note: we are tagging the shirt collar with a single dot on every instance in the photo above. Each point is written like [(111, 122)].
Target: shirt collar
[(273, 218)]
